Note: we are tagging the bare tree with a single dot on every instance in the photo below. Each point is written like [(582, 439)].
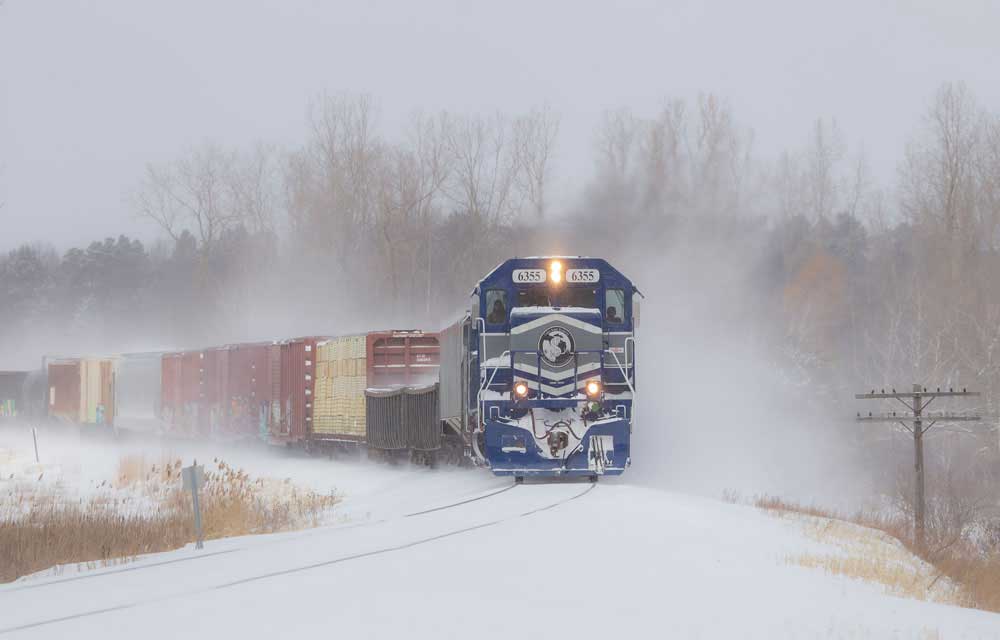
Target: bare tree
[(714, 138), (937, 174), (485, 179), (255, 186), (429, 141), (823, 156), (663, 151), (615, 139), (409, 182), (988, 179), (683, 161), (193, 194), (788, 185), (330, 182), (535, 138), (858, 187)]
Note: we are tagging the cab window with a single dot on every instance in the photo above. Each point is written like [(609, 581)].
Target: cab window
[(584, 297), (496, 306), (614, 312), (533, 297)]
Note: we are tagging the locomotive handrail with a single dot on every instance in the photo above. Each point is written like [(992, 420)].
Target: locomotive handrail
[(482, 346), (625, 375), (630, 366), (479, 394)]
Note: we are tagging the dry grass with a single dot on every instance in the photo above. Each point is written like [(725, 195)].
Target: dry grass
[(979, 575), (872, 556), (143, 510), (879, 549)]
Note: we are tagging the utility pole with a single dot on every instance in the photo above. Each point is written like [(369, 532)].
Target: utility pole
[(914, 423)]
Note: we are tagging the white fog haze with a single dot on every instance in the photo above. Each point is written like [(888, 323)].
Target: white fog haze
[(286, 241), (93, 91)]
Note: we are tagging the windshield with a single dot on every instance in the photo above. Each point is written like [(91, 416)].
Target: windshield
[(578, 297), (533, 297), (584, 297)]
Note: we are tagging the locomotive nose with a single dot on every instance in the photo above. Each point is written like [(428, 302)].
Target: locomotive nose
[(556, 351)]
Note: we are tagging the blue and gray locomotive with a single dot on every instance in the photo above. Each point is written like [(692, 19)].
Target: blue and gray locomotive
[(539, 377)]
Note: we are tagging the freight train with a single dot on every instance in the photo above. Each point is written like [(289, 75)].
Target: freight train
[(309, 392), (536, 379)]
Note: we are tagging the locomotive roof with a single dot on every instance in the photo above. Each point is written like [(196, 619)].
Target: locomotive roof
[(519, 262)]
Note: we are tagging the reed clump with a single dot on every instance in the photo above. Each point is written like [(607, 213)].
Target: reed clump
[(143, 510), (880, 548)]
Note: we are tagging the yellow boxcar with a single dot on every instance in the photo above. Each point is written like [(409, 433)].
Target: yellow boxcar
[(339, 396)]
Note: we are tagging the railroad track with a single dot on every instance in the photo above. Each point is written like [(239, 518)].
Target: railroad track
[(309, 532), (290, 570)]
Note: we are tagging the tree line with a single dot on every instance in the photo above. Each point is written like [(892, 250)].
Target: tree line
[(854, 282)]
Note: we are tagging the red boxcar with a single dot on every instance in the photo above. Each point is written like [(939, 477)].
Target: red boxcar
[(182, 392), (171, 394), (247, 390), (82, 390), (212, 368), (298, 373), (402, 357), (64, 390)]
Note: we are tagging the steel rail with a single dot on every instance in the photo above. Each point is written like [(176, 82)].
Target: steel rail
[(304, 533), (292, 570)]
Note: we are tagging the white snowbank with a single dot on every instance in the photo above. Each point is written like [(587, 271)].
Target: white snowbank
[(621, 561)]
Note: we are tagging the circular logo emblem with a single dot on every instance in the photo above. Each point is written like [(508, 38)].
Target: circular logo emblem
[(556, 346)]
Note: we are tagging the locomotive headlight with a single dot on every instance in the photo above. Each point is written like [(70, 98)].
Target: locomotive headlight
[(593, 388), (521, 389), (555, 271)]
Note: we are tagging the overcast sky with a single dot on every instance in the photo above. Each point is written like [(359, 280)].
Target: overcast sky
[(91, 91)]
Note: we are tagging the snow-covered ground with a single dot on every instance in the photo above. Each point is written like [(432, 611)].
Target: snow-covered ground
[(550, 560)]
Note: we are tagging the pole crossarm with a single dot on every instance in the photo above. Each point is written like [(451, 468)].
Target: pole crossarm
[(925, 418), (875, 395)]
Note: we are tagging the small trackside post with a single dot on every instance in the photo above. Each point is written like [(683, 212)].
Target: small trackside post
[(193, 478)]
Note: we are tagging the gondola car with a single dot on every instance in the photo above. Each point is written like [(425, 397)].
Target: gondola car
[(540, 373)]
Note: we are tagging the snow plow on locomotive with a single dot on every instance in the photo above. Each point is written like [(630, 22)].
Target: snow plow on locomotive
[(540, 373)]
